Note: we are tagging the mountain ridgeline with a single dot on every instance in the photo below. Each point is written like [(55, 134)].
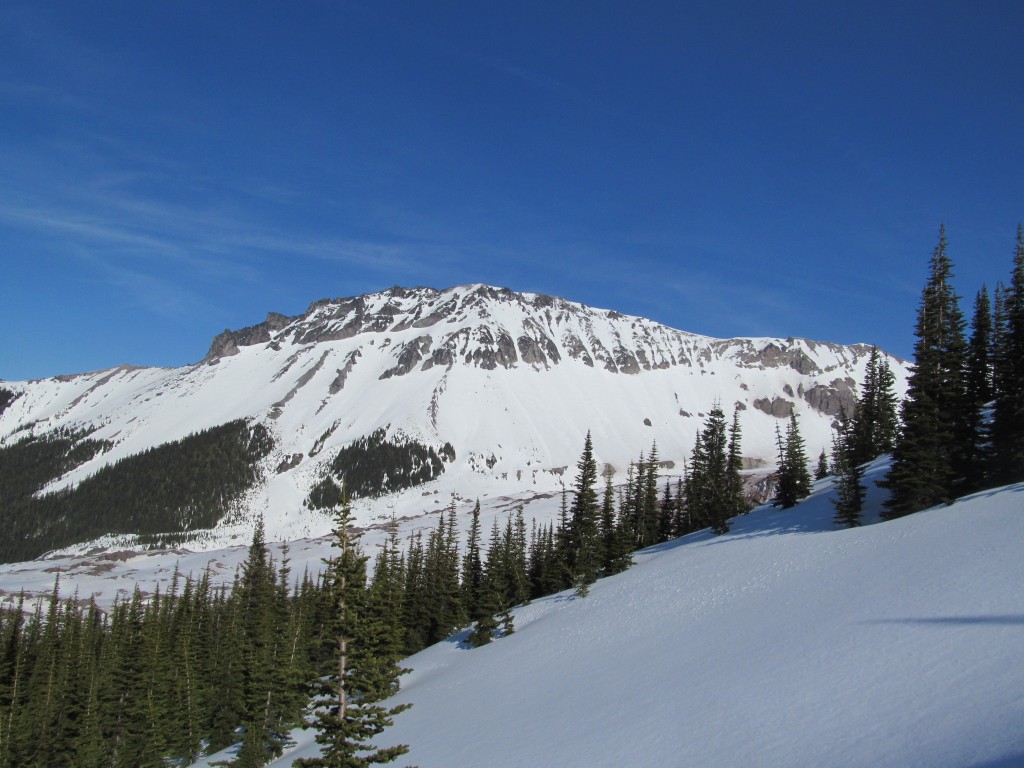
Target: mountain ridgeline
[(470, 390)]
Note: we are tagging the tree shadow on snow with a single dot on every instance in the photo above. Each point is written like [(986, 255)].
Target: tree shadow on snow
[(1006, 621), (1010, 761)]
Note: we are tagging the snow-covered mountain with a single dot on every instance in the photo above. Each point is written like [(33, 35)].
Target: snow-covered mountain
[(510, 381), (785, 643)]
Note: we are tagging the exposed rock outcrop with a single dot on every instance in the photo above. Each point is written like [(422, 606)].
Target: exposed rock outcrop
[(779, 407), (834, 398)]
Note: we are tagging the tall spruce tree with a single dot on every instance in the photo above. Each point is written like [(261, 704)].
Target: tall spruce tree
[(735, 494), (794, 477), (474, 597), (649, 493), (821, 469), (850, 490), (979, 392), (708, 492), (349, 716), (586, 555), (927, 457), (1008, 414), (873, 424)]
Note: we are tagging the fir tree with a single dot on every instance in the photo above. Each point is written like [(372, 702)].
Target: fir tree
[(1008, 414), (649, 493), (794, 478), (979, 392), (615, 536), (666, 514), (735, 496), (709, 496), (927, 456), (349, 716), (444, 612), (873, 425), (473, 595), (562, 562), (849, 500), (585, 532), (821, 470)]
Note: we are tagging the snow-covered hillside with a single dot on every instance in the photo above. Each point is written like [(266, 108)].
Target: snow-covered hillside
[(783, 643), (512, 381)]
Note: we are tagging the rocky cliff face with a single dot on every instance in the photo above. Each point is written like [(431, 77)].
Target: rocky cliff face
[(489, 328)]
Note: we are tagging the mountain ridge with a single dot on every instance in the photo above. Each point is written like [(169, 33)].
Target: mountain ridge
[(510, 381)]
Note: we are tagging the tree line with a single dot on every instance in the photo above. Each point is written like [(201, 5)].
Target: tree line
[(172, 676), (960, 427), (177, 487), (373, 465)]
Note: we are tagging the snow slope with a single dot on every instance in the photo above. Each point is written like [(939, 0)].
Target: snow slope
[(513, 381), (783, 643)]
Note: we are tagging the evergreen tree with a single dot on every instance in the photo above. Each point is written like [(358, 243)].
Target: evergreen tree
[(518, 560), (979, 392), (586, 556), (735, 496), (415, 608), (873, 425), (384, 605), (259, 620), (349, 716), (649, 492), (615, 536), (709, 492), (849, 500), (927, 457), (474, 597), (444, 612), (666, 514), (794, 478), (562, 559), (544, 565), (1008, 414), (821, 470)]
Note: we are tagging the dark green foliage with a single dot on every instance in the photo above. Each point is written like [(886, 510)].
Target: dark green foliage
[(1008, 414), (585, 546), (928, 456), (734, 492), (849, 500), (546, 569), (979, 391), (821, 471), (325, 495), (794, 478), (713, 489), (372, 466), (176, 487), (616, 537), (506, 571), (348, 715), (474, 594), (441, 572), (7, 397), (146, 683), (874, 424)]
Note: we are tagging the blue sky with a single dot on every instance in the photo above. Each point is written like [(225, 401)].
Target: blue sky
[(168, 170)]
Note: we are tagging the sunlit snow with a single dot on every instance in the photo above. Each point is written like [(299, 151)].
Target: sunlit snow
[(784, 643)]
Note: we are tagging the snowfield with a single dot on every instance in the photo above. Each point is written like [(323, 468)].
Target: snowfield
[(330, 377), (784, 643)]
